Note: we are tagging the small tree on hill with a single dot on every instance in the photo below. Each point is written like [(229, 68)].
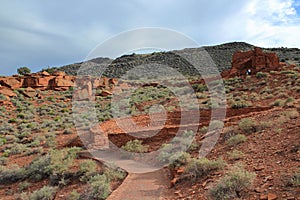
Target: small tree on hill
[(23, 70)]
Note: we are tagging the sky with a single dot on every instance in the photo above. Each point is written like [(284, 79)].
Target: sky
[(38, 34)]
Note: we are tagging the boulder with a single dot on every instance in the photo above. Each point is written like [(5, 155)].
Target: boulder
[(29, 92), (105, 93), (44, 73), (7, 92), (62, 81)]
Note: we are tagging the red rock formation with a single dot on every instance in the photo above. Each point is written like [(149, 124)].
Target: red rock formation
[(12, 82), (256, 60), (57, 81), (7, 92)]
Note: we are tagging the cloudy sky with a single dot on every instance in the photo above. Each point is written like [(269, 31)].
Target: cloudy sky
[(38, 33)]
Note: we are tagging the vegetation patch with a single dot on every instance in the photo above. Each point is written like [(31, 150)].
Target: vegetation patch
[(231, 186)]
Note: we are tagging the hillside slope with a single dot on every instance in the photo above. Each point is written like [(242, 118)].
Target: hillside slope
[(220, 54)]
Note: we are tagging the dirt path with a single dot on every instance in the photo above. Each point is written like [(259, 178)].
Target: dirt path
[(146, 186)]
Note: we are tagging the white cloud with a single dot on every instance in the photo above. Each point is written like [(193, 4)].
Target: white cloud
[(273, 23)]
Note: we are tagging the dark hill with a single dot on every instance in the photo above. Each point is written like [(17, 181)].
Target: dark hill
[(221, 55)]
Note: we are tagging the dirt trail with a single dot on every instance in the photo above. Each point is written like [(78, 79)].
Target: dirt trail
[(146, 186)]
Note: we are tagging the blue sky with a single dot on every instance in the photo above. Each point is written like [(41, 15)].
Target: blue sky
[(38, 33)]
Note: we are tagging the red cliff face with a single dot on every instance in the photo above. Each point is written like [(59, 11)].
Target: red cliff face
[(56, 81), (256, 60)]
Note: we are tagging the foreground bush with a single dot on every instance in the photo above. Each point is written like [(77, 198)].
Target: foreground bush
[(135, 146), (232, 184), (45, 193), (236, 139), (248, 125), (198, 168), (100, 187)]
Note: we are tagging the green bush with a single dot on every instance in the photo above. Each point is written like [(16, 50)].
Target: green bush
[(248, 125), (9, 176), (39, 168), (179, 159), (239, 104), (235, 155), (216, 125), (232, 184), (74, 195), (2, 97), (135, 146), (114, 174), (200, 87), (261, 74), (87, 167), (294, 180), (100, 187), (198, 168), (166, 152), (278, 102), (45, 193), (23, 186), (236, 139), (61, 160)]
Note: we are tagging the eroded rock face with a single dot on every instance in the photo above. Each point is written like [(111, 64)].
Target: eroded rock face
[(7, 92), (12, 82), (255, 60), (58, 81)]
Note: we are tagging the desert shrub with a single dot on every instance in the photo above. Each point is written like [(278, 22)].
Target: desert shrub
[(216, 125), (135, 146), (198, 168), (17, 148), (228, 132), (278, 102), (232, 184), (2, 97), (74, 195), (2, 141), (235, 155), (293, 114), (239, 104), (200, 87), (39, 168), (203, 129), (294, 180), (235, 140), (8, 175), (3, 160), (61, 160), (289, 100), (87, 167), (261, 74), (23, 186), (99, 187), (166, 152), (248, 125), (114, 173), (45, 193), (179, 159)]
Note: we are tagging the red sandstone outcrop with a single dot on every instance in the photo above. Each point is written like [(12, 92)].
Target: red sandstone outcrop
[(7, 92), (255, 60), (56, 81), (12, 82)]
